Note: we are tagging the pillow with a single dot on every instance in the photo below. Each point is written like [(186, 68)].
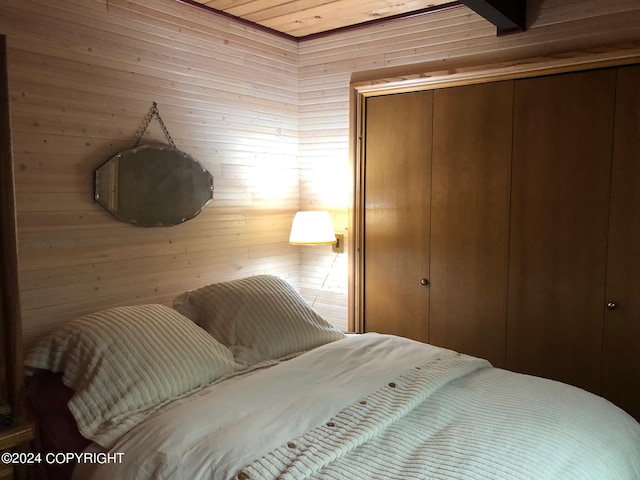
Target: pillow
[(258, 318), (126, 362)]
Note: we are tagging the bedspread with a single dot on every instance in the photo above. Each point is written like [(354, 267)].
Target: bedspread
[(488, 424), (382, 407)]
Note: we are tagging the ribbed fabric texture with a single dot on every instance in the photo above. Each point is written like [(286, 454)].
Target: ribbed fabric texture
[(126, 362), (258, 318), (455, 420)]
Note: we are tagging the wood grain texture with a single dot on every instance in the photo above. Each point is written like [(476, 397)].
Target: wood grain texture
[(397, 217), (82, 77), (470, 219), (309, 17), (269, 117), (8, 254), (415, 51), (622, 325), (563, 137), (14, 436), (11, 357)]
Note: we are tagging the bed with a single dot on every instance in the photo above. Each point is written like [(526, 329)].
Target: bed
[(243, 380)]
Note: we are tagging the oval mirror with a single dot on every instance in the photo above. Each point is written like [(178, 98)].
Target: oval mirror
[(153, 186)]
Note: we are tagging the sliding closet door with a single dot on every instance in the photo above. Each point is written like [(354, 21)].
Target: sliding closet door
[(621, 378), (470, 219), (397, 166), (563, 134)]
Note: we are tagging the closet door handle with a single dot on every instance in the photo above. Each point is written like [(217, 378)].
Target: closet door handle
[(424, 281), (612, 305)]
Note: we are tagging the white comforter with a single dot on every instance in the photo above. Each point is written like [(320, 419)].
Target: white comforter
[(381, 407)]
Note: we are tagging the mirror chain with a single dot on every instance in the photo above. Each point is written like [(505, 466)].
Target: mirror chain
[(154, 112)]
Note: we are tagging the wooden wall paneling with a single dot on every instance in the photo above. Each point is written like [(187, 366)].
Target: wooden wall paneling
[(622, 324), (457, 36), (560, 11), (325, 179), (417, 49), (84, 74), (397, 177), (322, 274), (563, 134), (470, 198)]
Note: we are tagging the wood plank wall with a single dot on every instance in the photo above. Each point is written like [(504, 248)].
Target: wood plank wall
[(268, 117), (83, 74), (442, 40)]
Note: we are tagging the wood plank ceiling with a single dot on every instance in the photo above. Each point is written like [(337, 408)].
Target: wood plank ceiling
[(305, 18), (302, 19)]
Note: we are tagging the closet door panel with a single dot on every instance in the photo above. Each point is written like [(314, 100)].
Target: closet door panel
[(470, 219), (396, 213), (621, 378), (563, 133)]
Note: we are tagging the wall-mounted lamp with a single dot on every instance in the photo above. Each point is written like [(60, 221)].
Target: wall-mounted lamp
[(315, 228)]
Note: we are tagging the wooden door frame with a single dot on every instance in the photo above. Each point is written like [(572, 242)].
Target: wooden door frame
[(10, 317), (433, 76)]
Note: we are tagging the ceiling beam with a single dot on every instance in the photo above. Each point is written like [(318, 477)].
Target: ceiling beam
[(508, 16)]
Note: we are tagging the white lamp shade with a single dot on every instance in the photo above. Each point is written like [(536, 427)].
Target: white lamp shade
[(312, 228)]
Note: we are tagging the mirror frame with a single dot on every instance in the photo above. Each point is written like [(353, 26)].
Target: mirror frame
[(170, 166)]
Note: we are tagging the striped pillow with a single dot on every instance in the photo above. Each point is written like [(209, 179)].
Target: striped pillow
[(126, 362), (258, 318)]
